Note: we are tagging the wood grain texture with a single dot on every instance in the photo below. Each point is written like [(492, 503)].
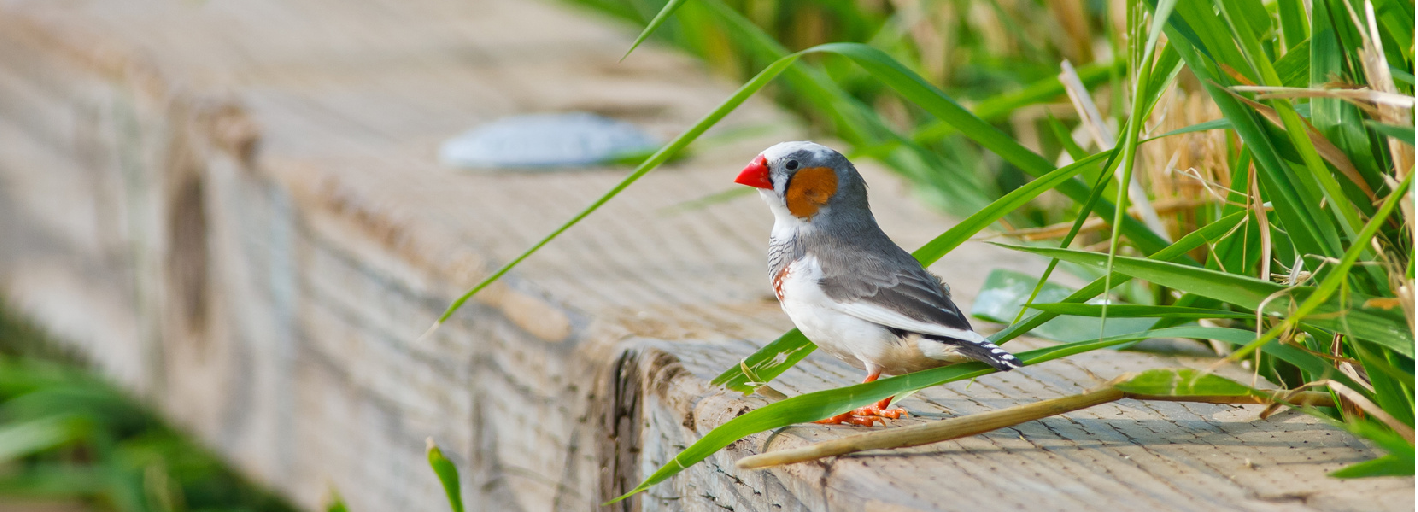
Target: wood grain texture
[(1126, 455), (235, 209)]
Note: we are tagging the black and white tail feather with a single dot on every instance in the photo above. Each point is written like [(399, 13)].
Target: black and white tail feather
[(980, 350), (871, 278), (983, 351)]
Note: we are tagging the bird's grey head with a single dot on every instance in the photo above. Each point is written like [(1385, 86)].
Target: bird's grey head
[(810, 182)]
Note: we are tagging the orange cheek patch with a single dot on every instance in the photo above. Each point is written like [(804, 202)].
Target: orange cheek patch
[(809, 190)]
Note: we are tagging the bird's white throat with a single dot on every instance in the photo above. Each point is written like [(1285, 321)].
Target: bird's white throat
[(785, 224)]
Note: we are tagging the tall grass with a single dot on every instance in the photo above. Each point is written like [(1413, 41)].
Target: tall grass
[(1273, 142)]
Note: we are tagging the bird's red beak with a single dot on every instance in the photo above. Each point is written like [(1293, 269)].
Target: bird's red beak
[(756, 174)]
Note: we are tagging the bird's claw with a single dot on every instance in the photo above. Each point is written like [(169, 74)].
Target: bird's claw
[(864, 416)]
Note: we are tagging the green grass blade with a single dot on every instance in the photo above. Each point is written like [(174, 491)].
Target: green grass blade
[(1383, 436), (1392, 386), (1241, 23), (21, 438), (1294, 25), (1065, 138), (1095, 195), (335, 503), (1294, 67), (1383, 329), (1402, 76), (1396, 25), (1402, 134), (1399, 461), (669, 150), (447, 475), (1185, 382), (1196, 23), (961, 192), (1214, 124), (1129, 144), (1296, 130), (821, 404), (1291, 204), (1004, 291), (1015, 199), (1243, 291), (1388, 465), (1139, 311), (1397, 337), (776, 357), (998, 107), (1160, 13), (916, 89), (1208, 233), (1164, 72), (1333, 54), (767, 363), (1311, 364), (660, 19)]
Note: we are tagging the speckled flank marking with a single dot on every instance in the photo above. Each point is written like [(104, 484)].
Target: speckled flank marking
[(778, 280), (810, 189)]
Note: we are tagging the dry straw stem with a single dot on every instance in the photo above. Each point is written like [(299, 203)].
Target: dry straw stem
[(1190, 165), (1323, 146), (1376, 68), (1362, 97), (965, 426), (1104, 137), (1369, 407), (1257, 205)]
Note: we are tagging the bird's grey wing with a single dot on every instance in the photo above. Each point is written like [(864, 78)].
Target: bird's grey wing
[(895, 292), (901, 295)]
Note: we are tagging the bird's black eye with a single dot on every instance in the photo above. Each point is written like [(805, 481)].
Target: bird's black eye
[(792, 165)]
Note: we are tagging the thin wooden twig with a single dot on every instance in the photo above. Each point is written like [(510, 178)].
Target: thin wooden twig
[(1326, 149), (965, 426)]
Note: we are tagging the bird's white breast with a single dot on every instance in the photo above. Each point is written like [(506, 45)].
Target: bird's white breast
[(858, 342)]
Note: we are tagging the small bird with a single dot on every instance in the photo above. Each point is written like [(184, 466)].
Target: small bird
[(846, 285)]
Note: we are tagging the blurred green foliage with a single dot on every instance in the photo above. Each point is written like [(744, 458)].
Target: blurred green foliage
[(69, 436), (994, 58)]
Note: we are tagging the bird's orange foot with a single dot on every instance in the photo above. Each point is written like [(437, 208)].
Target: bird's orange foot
[(864, 416)]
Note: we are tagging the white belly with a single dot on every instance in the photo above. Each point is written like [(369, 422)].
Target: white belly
[(855, 341)]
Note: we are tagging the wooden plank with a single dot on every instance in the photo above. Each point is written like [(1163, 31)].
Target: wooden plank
[(235, 210), (1127, 455)]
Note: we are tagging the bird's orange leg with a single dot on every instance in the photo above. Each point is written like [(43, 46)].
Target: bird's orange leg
[(869, 415)]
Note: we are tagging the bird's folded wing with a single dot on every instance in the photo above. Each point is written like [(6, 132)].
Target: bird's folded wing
[(912, 300), (885, 316)]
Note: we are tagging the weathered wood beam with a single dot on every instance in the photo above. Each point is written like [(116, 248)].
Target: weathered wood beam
[(235, 210)]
